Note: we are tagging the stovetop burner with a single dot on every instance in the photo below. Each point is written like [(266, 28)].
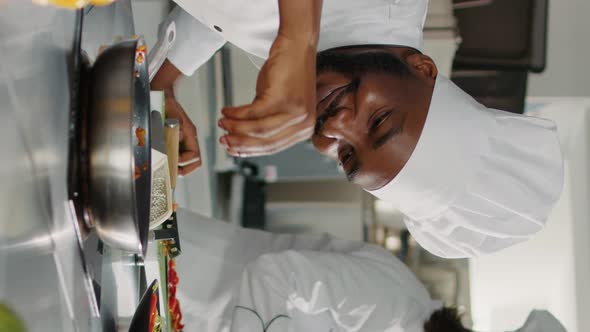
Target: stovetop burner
[(77, 184), (77, 157)]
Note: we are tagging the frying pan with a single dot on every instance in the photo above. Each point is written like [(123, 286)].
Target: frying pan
[(119, 149), (146, 309)]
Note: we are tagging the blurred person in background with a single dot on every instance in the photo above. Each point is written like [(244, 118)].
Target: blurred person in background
[(236, 279)]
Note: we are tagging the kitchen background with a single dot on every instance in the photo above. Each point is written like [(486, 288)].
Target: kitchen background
[(278, 193), (496, 291)]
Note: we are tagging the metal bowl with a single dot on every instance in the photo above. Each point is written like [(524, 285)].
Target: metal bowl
[(118, 145)]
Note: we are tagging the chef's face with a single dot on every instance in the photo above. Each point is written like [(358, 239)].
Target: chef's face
[(371, 107)]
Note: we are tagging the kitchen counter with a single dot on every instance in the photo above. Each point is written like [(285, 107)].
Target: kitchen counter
[(42, 275)]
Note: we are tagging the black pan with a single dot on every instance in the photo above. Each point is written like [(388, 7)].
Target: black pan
[(141, 318)]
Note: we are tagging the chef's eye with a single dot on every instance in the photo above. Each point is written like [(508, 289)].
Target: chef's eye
[(379, 120), (346, 156)]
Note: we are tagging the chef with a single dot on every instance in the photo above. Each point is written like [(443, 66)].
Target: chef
[(468, 179), (288, 34), (241, 280)]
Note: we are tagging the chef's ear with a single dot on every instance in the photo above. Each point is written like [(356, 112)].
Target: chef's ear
[(422, 65)]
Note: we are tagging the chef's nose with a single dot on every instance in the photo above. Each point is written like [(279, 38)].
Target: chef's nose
[(341, 127)]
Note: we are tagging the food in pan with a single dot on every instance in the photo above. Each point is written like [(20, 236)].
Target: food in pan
[(140, 134), (155, 324), (140, 57)]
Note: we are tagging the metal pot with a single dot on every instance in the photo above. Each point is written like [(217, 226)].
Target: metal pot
[(119, 149)]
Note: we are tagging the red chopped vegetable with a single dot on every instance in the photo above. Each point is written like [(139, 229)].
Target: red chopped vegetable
[(173, 304), (140, 57), (140, 133), (153, 312)]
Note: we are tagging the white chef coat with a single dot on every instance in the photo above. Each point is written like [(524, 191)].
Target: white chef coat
[(229, 276), (203, 26), (541, 321), (369, 291)]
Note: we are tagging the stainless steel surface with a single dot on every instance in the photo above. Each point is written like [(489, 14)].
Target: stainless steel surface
[(120, 288), (118, 272), (118, 106), (157, 138), (104, 25), (41, 271)]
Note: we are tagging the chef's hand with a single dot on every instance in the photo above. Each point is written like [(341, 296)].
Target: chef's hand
[(189, 144), (164, 80), (282, 113)]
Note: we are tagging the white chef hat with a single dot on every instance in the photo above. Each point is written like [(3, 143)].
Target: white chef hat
[(479, 179)]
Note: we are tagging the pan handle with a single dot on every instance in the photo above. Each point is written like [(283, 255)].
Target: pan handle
[(172, 137), (160, 51)]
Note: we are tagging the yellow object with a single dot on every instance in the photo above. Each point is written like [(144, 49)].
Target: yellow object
[(101, 2), (9, 321), (73, 4)]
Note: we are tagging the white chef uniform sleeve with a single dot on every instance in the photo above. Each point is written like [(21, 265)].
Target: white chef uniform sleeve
[(195, 42), (320, 291), (214, 255), (237, 244)]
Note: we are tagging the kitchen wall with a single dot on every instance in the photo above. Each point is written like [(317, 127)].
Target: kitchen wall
[(552, 270), (568, 50), (333, 207), (195, 190)]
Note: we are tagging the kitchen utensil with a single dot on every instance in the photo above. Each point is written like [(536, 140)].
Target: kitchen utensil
[(158, 105), (172, 135), (147, 315), (158, 140), (159, 52), (119, 152), (161, 205)]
